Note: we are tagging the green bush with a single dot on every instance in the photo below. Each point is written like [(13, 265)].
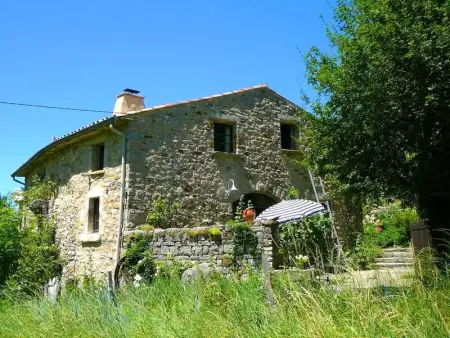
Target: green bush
[(396, 222), (38, 261), (366, 251), (163, 214), (245, 242), (139, 265), (172, 268), (309, 237), (9, 239), (29, 257)]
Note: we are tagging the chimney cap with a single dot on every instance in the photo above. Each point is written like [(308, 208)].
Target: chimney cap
[(131, 91)]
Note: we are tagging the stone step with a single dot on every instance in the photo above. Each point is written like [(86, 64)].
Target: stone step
[(398, 250), (393, 265), (398, 255), (395, 260)]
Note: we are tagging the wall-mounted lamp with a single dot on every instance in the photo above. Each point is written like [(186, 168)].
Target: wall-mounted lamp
[(232, 188)]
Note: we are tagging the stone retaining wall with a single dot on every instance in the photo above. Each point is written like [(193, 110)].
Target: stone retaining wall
[(198, 245)]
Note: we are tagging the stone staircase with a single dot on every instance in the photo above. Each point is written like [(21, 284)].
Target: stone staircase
[(396, 258)]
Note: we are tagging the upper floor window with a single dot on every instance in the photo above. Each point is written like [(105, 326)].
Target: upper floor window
[(224, 137), (98, 157), (289, 135)]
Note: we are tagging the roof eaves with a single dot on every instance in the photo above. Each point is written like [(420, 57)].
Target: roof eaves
[(65, 138)]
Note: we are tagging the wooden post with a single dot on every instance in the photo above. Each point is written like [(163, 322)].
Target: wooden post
[(267, 283), (110, 287)]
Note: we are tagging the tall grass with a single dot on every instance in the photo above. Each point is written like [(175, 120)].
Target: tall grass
[(226, 308)]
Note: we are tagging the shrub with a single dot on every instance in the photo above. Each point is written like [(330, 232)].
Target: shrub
[(245, 242), (138, 265), (37, 255), (366, 251), (309, 237), (163, 214), (38, 262), (396, 222), (9, 239), (172, 268)]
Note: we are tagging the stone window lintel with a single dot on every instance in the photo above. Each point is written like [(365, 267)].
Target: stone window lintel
[(288, 119), (225, 154), (93, 237), (215, 117), (290, 151), (95, 173)]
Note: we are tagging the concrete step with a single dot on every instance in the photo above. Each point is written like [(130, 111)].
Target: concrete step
[(398, 250), (395, 260), (398, 255), (393, 265)]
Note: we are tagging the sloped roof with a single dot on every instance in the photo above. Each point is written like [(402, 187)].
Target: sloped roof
[(60, 142)]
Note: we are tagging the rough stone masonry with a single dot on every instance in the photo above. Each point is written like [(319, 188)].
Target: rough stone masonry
[(170, 154)]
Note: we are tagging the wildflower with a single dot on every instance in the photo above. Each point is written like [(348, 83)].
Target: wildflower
[(137, 278)]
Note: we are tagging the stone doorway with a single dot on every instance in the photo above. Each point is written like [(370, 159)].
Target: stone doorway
[(260, 202)]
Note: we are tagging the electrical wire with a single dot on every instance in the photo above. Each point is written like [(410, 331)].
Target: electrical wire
[(54, 107)]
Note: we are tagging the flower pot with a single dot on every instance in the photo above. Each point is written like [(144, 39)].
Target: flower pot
[(379, 227), (249, 215), (226, 261)]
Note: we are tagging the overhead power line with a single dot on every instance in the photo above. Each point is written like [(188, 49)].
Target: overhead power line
[(54, 107)]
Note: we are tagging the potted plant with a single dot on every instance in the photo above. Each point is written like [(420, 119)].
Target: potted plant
[(249, 215), (379, 226)]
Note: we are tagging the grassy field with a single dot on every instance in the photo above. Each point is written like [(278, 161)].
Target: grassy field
[(224, 308)]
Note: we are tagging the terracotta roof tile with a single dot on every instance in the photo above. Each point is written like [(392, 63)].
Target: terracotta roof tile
[(79, 129)]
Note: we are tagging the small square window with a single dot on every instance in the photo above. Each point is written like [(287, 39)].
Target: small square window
[(289, 135), (224, 137), (98, 157), (94, 215)]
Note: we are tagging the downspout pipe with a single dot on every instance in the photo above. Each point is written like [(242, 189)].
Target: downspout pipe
[(16, 180), (122, 194)]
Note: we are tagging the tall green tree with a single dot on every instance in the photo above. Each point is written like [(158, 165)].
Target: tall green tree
[(9, 239), (381, 123)]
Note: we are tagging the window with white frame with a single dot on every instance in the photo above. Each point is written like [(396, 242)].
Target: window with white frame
[(94, 215)]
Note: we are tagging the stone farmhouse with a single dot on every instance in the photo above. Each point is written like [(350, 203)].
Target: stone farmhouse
[(110, 173)]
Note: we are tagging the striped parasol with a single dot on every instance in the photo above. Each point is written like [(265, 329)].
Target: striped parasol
[(292, 210)]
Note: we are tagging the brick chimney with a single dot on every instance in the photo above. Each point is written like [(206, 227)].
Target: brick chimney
[(128, 101)]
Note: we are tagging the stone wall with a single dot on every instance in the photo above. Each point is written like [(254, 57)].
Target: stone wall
[(198, 245), (84, 253), (171, 155)]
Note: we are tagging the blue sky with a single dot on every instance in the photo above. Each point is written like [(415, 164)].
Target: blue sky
[(83, 53)]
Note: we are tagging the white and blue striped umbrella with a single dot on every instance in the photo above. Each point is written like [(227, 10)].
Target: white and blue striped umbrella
[(292, 210)]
